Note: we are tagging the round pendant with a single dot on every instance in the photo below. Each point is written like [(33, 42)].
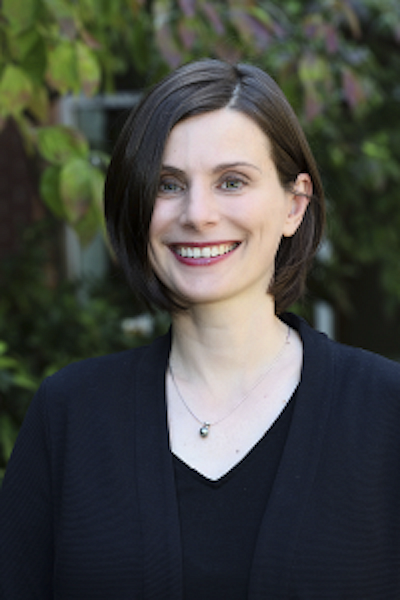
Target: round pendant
[(204, 430)]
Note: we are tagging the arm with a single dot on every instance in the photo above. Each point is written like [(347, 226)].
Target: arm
[(26, 529)]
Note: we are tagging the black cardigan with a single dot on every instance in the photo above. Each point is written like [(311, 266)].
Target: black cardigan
[(88, 507)]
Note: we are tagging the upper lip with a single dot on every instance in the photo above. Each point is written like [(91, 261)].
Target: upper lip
[(203, 244)]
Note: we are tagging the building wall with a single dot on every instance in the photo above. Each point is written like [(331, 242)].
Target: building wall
[(19, 204)]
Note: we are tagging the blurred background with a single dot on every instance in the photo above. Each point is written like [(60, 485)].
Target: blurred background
[(70, 71)]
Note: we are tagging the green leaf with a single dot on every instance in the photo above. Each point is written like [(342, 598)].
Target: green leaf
[(88, 69), (60, 9), (62, 71), (81, 187), (35, 61), (88, 226), (97, 178), (22, 44), (24, 381), (39, 104), (75, 188), (261, 14), (8, 435), (15, 91), (3, 347), (313, 69), (59, 144), (97, 184), (50, 191), (376, 150), (21, 14), (6, 362)]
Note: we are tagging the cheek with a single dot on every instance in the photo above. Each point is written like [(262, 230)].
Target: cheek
[(158, 234), (161, 220)]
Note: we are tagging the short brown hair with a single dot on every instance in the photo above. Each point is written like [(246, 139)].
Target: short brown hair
[(133, 175)]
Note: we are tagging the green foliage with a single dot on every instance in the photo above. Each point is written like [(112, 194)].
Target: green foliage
[(60, 144), (71, 186), (50, 48)]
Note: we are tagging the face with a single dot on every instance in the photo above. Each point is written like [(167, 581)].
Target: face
[(221, 210)]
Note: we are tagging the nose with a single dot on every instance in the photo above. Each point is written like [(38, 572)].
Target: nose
[(200, 207)]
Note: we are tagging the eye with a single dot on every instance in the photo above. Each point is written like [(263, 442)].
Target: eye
[(233, 183), (169, 186)]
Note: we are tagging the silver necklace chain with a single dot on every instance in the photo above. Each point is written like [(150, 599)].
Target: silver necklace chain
[(205, 425)]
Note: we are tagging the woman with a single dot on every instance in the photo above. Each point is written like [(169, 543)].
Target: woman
[(242, 455)]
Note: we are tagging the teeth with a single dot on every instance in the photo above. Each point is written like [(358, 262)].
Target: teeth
[(205, 252)]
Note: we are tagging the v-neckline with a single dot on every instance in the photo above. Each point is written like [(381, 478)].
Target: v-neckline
[(236, 468)]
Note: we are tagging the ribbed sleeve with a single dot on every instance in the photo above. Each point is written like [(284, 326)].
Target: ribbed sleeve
[(26, 538), (69, 522)]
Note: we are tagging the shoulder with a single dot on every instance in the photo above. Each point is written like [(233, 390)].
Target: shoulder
[(367, 386), (352, 368), (104, 378), (366, 365), (99, 366)]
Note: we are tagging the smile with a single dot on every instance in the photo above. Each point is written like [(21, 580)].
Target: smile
[(205, 251)]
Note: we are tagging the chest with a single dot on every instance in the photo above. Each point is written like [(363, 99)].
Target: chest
[(230, 433)]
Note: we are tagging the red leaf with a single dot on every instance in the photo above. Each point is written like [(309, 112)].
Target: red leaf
[(227, 52), (313, 105), (352, 89), (331, 39), (260, 33), (188, 7), (168, 47), (214, 18), (187, 35)]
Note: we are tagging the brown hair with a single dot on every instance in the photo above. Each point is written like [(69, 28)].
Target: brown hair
[(133, 175)]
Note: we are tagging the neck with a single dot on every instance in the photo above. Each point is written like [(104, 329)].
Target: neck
[(226, 347)]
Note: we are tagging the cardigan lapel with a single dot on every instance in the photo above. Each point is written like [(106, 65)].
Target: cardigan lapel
[(294, 480), (162, 553)]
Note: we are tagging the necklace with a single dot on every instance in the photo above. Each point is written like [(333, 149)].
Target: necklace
[(205, 425)]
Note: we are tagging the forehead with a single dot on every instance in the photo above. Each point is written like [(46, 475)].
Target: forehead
[(223, 135)]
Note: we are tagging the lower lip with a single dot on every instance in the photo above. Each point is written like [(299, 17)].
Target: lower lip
[(203, 261)]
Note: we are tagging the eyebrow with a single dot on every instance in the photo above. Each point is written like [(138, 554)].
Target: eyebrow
[(217, 169)]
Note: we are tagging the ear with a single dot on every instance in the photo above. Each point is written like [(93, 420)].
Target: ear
[(298, 200)]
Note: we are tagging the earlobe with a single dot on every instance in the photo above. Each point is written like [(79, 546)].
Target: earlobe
[(299, 200)]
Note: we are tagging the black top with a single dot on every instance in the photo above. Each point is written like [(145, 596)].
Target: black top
[(220, 520), (89, 510)]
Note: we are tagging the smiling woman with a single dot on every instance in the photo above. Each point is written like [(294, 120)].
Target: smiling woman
[(133, 181), (221, 206), (243, 454)]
